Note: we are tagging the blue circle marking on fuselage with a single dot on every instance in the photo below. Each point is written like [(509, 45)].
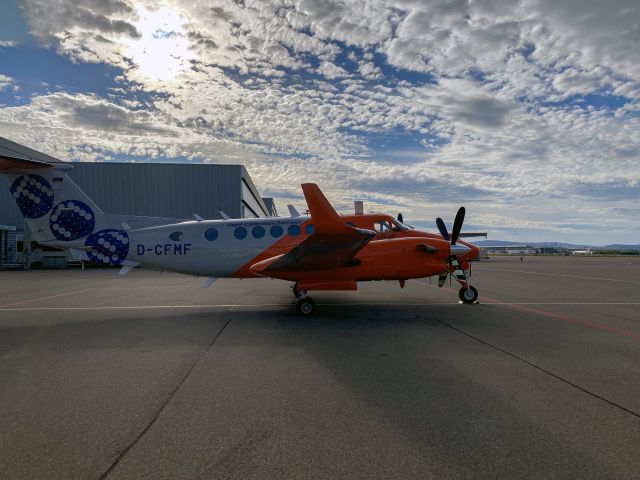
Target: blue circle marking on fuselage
[(33, 195), (71, 219), (107, 247)]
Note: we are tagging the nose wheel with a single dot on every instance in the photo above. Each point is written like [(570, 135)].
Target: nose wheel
[(468, 294)]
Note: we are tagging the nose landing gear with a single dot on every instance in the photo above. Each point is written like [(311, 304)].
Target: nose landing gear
[(467, 293)]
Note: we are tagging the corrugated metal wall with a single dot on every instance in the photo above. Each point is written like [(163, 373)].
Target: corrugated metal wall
[(150, 189), (161, 190)]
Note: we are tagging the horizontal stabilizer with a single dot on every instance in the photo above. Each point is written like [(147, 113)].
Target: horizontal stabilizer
[(15, 165), (127, 265), (209, 281)]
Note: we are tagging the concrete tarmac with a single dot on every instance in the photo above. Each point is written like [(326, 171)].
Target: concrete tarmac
[(151, 376)]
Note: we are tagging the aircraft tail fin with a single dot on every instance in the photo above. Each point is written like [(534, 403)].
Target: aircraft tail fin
[(55, 208)]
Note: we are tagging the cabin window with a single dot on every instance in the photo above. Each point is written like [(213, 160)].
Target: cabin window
[(240, 233), (276, 231), (258, 232), (351, 224), (176, 236), (293, 230), (211, 234), (382, 226), (308, 229)]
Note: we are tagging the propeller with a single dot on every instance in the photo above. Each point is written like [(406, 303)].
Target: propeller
[(457, 226), (455, 250)]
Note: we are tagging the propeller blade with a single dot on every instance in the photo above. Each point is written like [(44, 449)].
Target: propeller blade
[(457, 225), (443, 228), (442, 278), (400, 218)]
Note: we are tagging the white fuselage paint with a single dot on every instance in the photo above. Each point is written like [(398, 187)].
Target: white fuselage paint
[(184, 247)]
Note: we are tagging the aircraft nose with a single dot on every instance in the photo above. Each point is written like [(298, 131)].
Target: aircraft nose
[(459, 250)]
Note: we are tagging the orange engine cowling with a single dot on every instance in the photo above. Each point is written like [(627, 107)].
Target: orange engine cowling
[(388, 259)]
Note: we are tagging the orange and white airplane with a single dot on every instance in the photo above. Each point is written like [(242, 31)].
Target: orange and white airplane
[(320, 251)]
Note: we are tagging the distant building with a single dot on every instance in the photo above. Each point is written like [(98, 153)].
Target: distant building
[(172, 190), (271, 206)]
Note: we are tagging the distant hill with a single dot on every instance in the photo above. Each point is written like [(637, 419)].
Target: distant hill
[(617, 246), (568, 246)]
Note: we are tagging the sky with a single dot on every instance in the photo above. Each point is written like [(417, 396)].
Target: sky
[(526, 112)]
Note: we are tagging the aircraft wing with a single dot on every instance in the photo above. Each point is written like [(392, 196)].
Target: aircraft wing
[(332, 244), (472, 234)]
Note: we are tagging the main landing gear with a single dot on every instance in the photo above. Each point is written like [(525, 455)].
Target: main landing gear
[(304, 305)]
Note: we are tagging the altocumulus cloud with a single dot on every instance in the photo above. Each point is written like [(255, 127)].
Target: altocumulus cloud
[(526, 112)]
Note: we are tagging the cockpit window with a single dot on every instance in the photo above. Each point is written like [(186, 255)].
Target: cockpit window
[(382, 226), (398, 226)]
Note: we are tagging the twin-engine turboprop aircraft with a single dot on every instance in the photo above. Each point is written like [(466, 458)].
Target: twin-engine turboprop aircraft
[(322, 251)]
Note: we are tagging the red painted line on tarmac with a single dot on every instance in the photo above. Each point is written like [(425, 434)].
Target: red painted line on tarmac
[(557, 316), (577, 321), (566, 318)]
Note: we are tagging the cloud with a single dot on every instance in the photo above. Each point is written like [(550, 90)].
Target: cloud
[(495, 103), (5, 81)]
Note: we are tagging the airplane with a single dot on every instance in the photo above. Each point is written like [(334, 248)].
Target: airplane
[(320, 251), (588, 251)]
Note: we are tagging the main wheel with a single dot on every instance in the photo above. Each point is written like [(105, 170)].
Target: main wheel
[(468, 295), (305, 306)]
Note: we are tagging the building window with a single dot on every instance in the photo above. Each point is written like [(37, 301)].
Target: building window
[(240, 233), (176, 236), (258, 232), (293, 230), (276, 231), (211, 234), (308, 229)]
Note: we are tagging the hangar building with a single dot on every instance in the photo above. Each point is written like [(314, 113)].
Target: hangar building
[(171, 190)]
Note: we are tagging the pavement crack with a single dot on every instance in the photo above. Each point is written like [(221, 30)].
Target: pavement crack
[(541, 369), (157, 414)]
